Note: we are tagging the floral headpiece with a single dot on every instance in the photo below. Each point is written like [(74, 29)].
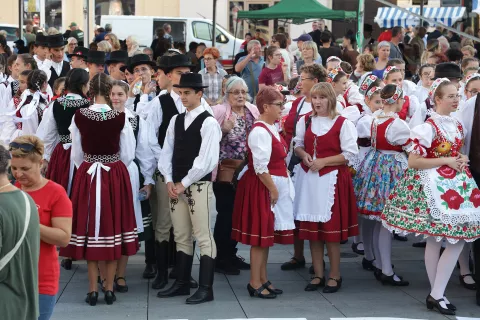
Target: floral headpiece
[(372, 91), (387, 71), (333, 73), (434, 87), (367, 82), (397, 95), (331, 58), (471, 77)]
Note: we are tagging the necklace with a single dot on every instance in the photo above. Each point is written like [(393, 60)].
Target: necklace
[(8, 184)]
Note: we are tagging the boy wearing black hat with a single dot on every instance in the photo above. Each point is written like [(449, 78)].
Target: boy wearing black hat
[(41, 53), (142, 68), (78, 59), (189, 155), (59, 67), (117, 60), (95, 63)]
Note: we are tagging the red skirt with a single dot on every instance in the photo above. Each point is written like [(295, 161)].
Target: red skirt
[(118, 231), (343, 223), (253, 219), (59, 166)]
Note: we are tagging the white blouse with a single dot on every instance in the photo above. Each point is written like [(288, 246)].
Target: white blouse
[(397, 133), (421, 93), (260, 144), (321, 125), (465, 115), (353, 95)]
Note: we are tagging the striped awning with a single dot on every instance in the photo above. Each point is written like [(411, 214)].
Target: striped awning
[(388, 17)]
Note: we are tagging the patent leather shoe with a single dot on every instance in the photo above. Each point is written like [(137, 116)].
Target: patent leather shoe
[(92, 298), (384, 279), (110, 297), (274, 290), (315, 286), (258, 292), (432, 303), (331, 289)]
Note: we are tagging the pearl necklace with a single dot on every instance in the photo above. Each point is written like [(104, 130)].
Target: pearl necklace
[(8, 184)]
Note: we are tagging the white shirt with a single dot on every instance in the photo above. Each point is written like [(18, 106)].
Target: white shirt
[(57, 67), (44, 65), (260, 144), (209, 153), (397, 133), (466, 116)]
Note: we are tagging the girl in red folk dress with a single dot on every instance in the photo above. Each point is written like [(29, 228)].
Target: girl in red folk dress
[(104, 226), (263, 210), (325, 209)]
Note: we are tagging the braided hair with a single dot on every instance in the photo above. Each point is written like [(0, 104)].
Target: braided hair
[(28, 59), (100, 85), (74, 82), (36, 79), (24, 73)]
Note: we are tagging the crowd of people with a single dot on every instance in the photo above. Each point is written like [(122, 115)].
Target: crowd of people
[(113, 145)]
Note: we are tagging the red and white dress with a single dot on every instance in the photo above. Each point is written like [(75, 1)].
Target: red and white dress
[(325, 208), (104, 226), (255, 222)]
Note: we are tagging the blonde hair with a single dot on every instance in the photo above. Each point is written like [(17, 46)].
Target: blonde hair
[(470, 49), (115, 42), (104, 46), (52, 31), (311, 45), (325, 89), (367, 61), (35, 155)]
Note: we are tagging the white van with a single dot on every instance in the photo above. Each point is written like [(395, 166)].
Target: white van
[(183, 30), (11, 30)]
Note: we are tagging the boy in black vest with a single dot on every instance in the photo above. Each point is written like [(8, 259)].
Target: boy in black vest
[(59, 67), (190, 153)]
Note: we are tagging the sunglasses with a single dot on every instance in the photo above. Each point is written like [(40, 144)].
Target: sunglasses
[(24, 147)]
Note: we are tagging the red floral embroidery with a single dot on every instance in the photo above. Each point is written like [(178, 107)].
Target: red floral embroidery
[(432, 225), (475, 197), (404, 207), (410, 187), (464, 185), (416, 177), (417, 210), (447, 172), (453, 199)]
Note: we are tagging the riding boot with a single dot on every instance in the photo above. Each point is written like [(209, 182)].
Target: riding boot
[(205, 289), (181, 286), (161, 255)]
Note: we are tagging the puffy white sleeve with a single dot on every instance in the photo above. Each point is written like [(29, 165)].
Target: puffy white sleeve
[(47, 131), (127, 143), (466, 115), (77, 150), (354, 96), (155, 115), (348, 141), (298, 140), (130, 104), (7, 130), (364, 126), (29, 123), (414, 105), (207, 158), (153, 142), (145, 107), (398, 133), (421, 138), (260, 143), (144, 153), (418, 116), (351, 113), (165, 161)]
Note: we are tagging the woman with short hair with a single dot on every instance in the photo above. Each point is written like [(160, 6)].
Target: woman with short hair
[(309, 55), (383, 51), (212, 75), (72, 43)]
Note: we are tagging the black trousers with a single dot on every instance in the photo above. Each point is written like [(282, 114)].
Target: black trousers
[(476, 245), (150, 251), (225, 198)]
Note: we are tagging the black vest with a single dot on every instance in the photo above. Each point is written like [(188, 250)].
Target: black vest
[(169, 109), (135, 123), (54, 76), (186, 146), (136, 101), (15, 85), (474, 154), (63, 112)]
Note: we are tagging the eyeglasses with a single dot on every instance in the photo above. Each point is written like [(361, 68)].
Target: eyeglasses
[(140, 70), (238, 92), (24, 147), (73, 44), (278, 104), (208, 59)]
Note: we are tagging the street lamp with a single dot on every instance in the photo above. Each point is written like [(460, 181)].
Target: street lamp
[(53, 14)]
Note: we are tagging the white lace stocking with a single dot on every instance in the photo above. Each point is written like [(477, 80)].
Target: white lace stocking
[(376, 251)]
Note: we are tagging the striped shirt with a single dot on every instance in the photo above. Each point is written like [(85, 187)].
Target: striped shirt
[(214, 82)]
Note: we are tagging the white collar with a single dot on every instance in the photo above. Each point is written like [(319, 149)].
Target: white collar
[(195, 112), (100, 107), (174, 95), (74, 96)]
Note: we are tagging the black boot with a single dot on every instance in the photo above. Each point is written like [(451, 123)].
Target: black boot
[(205, 289), (161, 255), (181, 286)]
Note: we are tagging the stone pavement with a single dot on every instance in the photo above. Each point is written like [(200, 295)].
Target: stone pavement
[(360, 296)]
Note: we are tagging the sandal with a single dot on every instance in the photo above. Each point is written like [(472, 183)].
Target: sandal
[(119, 287)]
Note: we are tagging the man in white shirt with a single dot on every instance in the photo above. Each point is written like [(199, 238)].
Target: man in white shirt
[(42, 53), (190, 153), (59, 66)]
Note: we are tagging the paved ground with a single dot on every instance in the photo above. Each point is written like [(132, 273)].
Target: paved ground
[(360, 296)]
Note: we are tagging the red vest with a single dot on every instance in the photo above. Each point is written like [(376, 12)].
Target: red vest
[(379, 137), (289, 125)]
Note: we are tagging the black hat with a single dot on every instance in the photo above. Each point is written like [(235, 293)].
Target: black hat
[(97, 57), (191, 80), (56, 41), (139, 59), (127, 66), (19, 42), (180, 60), (81, 52), (448, 70), (41, 40), (117, 56), (163, 64)]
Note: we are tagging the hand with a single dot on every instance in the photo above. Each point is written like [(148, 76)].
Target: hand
[(318, 164), (285, 68), (150, 87), (252, 54), (307, 160), (172, 193), (273, 197), (229, 123), (43, 169), (464, 161), (454, 163), (132, 85), (179, 188), (148, 190)]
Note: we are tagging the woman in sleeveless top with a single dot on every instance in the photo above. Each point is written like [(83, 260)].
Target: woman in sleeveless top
[(263, 212), (324, 208), (437, 196)]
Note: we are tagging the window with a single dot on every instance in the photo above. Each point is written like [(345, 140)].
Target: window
[(262, 26), (236, 6), (53, 14), (113, 8), (201, 30)]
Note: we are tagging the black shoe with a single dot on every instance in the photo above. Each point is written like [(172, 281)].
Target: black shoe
[(205, 288), (293, 264), (110, 297), (344, 241), (150, 271), (391, 280), (330, 289), (66, 264), (161, 257), (258, 292), (181, 286), (421, 244), (451, 307), (469, 286), (92, 298), (399, 237), (239, 263), (432, 303), (226, 266), (315, 286), (377, 273), (275, 290), (356, 250), (119, 287), (368, 264)]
